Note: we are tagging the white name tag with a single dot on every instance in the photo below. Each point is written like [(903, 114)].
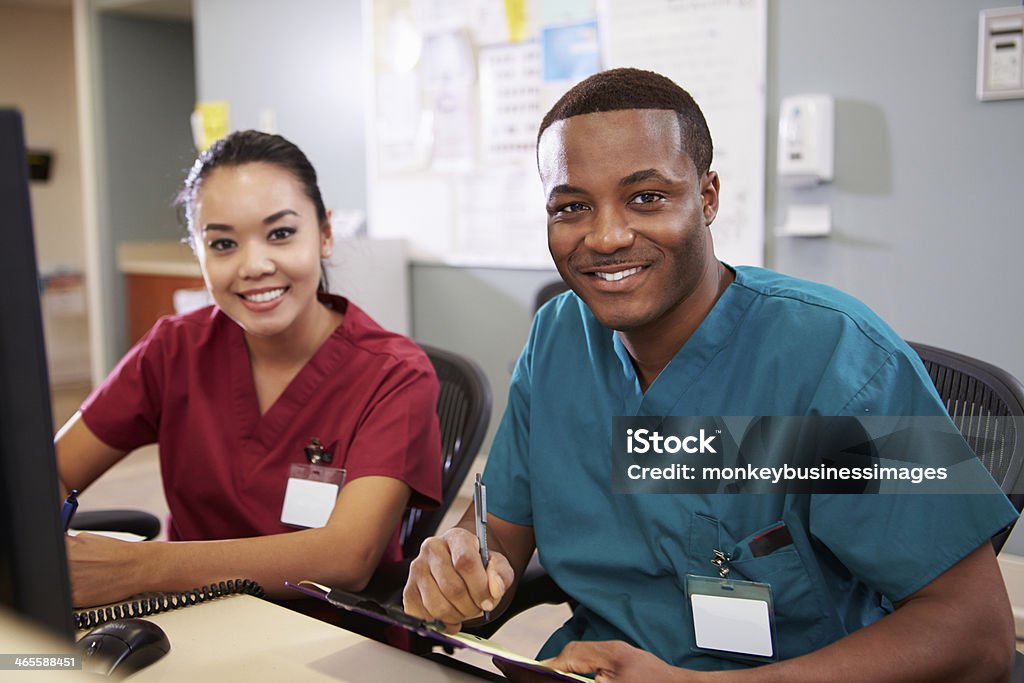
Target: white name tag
[(732, 617), (732, 624), (310, 495)]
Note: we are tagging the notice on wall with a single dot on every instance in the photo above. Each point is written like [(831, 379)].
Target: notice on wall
[(460, 89)]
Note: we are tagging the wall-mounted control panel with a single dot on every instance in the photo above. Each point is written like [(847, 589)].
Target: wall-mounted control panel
[(1001, 53)]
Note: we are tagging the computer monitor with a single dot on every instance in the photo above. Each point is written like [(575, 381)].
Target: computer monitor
[(33, 566)]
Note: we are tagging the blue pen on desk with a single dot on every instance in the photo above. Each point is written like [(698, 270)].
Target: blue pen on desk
[(67, 511), (480, 510)]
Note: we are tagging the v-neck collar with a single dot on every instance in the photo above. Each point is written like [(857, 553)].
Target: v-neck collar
[(670, 387), (300, 392)]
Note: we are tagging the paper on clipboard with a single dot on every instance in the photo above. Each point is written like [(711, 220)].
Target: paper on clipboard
[(433, 630)]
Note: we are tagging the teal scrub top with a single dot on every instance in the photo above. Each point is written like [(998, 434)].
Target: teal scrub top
[(772, 345)]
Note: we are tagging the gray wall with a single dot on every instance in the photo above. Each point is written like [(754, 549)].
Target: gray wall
[(927, 198), (483, 313), (926, 202), (147, 91), (301, 59)]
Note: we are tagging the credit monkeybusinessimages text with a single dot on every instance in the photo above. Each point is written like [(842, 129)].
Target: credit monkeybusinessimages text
[(776, 475)]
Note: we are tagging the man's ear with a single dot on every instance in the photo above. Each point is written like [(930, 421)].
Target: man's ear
[(709, 188)]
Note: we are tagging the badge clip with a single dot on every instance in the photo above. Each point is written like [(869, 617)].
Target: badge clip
[(316, 453)]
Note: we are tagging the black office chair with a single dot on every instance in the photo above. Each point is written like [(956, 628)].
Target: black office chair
[(463, 410), (548, 291), (981, 398), (975, 392)]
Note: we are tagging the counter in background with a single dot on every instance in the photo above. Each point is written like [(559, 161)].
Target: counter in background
[(153, 272), (373, 273)]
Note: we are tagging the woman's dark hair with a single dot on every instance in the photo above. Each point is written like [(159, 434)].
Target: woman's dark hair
[(626, 88), (251, 147)]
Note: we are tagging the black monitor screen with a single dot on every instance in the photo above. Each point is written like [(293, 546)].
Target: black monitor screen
[(33, 567)]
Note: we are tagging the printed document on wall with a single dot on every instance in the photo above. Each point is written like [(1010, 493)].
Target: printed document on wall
[(717, 51), (500, 219), (509, 102)]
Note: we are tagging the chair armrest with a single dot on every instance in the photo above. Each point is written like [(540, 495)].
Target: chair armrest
[(132, 521)]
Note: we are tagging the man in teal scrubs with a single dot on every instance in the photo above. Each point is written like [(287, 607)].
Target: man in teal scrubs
[(882, 587)]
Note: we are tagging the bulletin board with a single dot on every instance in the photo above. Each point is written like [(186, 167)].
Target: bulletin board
[(459, 87)]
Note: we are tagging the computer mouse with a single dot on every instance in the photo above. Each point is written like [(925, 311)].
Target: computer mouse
[(122, 647)]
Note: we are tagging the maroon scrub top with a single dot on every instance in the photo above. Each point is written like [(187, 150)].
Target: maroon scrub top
[(368, 395)]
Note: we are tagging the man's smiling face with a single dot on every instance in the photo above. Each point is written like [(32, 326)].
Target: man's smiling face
[(628, 215)]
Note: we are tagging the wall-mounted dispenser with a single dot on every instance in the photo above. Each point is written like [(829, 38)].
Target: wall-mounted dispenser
[(806, 140)]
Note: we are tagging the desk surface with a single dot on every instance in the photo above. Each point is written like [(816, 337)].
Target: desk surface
[(244, 638)]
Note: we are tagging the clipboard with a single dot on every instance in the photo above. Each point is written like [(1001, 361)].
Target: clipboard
[(433, 630)]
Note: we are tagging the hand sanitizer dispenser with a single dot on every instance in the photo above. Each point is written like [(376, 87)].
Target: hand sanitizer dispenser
[(806, 140)]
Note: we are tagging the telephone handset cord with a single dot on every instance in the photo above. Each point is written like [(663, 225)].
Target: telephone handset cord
[(154, 603)]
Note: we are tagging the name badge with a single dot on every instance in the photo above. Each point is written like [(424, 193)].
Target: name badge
[(310, 495), (732, 618)]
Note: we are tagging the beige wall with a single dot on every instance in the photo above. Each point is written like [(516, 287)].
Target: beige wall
[(37, 76)]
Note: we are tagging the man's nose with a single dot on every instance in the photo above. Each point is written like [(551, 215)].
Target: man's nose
[(610, 233)]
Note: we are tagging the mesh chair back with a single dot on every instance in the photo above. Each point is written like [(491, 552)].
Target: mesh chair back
[(976, 393), (547, 292), (464, 411)]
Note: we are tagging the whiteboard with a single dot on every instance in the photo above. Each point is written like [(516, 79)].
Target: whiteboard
[(459, 87), (716, 49)]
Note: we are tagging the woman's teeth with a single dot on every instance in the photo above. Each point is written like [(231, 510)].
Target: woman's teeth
[(264, 297)]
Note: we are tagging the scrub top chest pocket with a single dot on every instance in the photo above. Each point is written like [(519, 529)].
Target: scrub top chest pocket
[(772, 556)]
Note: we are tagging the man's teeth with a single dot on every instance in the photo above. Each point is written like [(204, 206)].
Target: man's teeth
[(264, 297), (615, 277)]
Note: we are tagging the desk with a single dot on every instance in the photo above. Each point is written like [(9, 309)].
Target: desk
[(242, 638)]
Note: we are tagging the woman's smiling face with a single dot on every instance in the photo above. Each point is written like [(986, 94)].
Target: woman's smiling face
[(259, 245)]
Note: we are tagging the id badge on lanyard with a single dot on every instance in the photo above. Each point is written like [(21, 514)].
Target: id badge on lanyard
[(312, 489), (732, 618)]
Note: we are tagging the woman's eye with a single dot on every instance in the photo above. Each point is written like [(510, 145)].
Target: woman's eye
[(281, 233), (220, 245)]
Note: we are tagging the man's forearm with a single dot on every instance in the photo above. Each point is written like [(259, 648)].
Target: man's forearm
[(898, 648), (957, 628)]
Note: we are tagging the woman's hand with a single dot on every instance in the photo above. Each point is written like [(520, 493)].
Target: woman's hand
[(103, 570)]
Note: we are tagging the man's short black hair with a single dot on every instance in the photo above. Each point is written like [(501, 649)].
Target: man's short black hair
[(617, 89)]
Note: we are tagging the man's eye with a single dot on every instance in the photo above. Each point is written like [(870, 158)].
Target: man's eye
[(281, 233), (220, 245), (646, 198), (574, 207)]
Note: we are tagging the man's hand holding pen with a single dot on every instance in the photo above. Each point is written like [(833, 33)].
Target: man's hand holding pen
[(448, 581)]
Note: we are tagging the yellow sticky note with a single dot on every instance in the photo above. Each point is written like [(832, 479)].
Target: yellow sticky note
[(515, 12), (209, 124)]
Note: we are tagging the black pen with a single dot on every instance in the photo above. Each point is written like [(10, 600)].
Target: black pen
[(67, 511), (480, 510)]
